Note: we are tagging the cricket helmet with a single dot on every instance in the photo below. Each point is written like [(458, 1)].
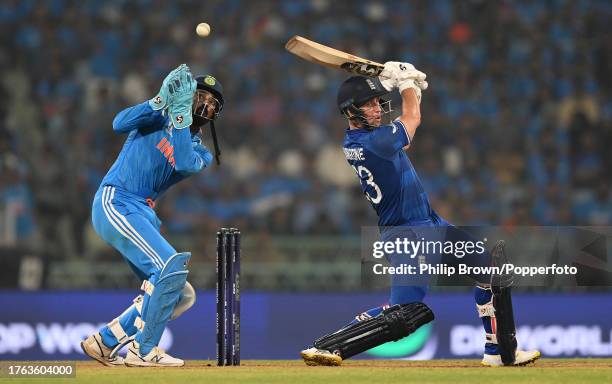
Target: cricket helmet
[(356, 91), (207, 83)]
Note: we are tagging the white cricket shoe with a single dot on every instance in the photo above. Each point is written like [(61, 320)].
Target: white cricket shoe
[(314, 356), (156, 358), (95, 348), (522, 358)]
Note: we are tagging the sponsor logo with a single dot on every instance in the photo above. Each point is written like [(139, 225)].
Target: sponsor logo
[(53, 338), (551, 340), (421, 345)]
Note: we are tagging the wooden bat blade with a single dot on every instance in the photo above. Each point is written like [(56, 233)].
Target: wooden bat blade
[(330, 57)]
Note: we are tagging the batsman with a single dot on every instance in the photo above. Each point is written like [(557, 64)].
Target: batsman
[(163, 147), (376, 152)]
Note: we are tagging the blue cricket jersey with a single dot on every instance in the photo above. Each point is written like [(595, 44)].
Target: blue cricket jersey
[(155, 155), (387, 176)]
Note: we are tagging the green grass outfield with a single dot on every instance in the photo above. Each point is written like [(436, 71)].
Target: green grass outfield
[(555, 371)]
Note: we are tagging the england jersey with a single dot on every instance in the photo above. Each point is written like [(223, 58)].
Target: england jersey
[(387, 177)]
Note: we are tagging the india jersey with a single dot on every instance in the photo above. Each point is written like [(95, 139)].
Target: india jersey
[(155, 155), (388, 179)]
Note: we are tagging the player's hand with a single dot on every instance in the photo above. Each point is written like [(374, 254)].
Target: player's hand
[(422, 84), (180, 98), (160, 101), (388, 76), (388, 83), (204, 153), (400, 72), (410, 83)]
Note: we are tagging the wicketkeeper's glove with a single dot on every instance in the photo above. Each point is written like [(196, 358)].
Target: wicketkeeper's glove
[(180, 91), (160, 101)]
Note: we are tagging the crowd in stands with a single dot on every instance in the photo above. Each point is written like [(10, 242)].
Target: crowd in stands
[(516, 125)]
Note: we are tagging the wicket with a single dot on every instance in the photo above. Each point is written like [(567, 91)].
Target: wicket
[(228, 297)]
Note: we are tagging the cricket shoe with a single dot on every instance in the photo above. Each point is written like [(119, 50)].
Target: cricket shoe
[(156, 358), (522, 358), (314, 356), (95, 348)]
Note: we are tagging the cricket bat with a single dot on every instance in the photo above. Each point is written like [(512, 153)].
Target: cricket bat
[(330, 57)]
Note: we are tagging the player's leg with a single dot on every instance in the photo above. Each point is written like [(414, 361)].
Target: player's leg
[(406, 302), (391, 324), (494, 306), (121, 330), (149, 254), (104, 344), (493, 296)]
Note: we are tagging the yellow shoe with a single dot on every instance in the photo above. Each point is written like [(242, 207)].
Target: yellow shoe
[(522, 358), (314, 356)]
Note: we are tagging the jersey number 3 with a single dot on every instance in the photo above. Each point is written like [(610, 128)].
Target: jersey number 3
[(365, 175)]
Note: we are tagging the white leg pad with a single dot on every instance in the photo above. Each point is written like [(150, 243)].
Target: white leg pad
[(188, 298)]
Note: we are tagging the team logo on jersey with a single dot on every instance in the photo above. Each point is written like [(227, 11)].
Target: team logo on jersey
[(210, 80), (157, 99), (167, 150), (179, 119)]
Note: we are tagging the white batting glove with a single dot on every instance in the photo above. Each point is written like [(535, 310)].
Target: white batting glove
[(399, 71), (422, 84), (388, 83), (410, 83), (388, 76)]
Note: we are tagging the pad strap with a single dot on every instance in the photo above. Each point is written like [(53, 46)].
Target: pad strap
[(138, 303), (486, 310), (147, 287), (139, 323), (491, 338), (117, 330)]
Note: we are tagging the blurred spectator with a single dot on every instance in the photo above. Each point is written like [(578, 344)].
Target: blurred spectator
[(516, 123)]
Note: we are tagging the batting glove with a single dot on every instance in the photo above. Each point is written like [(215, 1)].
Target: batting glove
[(400, 72), (160, 101), (181, 90), (410, 83)]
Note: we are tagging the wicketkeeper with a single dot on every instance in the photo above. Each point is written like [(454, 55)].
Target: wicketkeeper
[(163, 147)]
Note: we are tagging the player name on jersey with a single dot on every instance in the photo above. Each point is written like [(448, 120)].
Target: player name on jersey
[(354, 153)]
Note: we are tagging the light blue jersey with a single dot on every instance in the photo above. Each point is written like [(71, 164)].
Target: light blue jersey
[(155, 156)]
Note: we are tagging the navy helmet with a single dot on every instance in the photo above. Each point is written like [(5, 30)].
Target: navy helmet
[(356, 91), (201, 105)]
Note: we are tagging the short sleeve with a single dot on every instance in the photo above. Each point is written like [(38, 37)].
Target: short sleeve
[(389, 139)]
